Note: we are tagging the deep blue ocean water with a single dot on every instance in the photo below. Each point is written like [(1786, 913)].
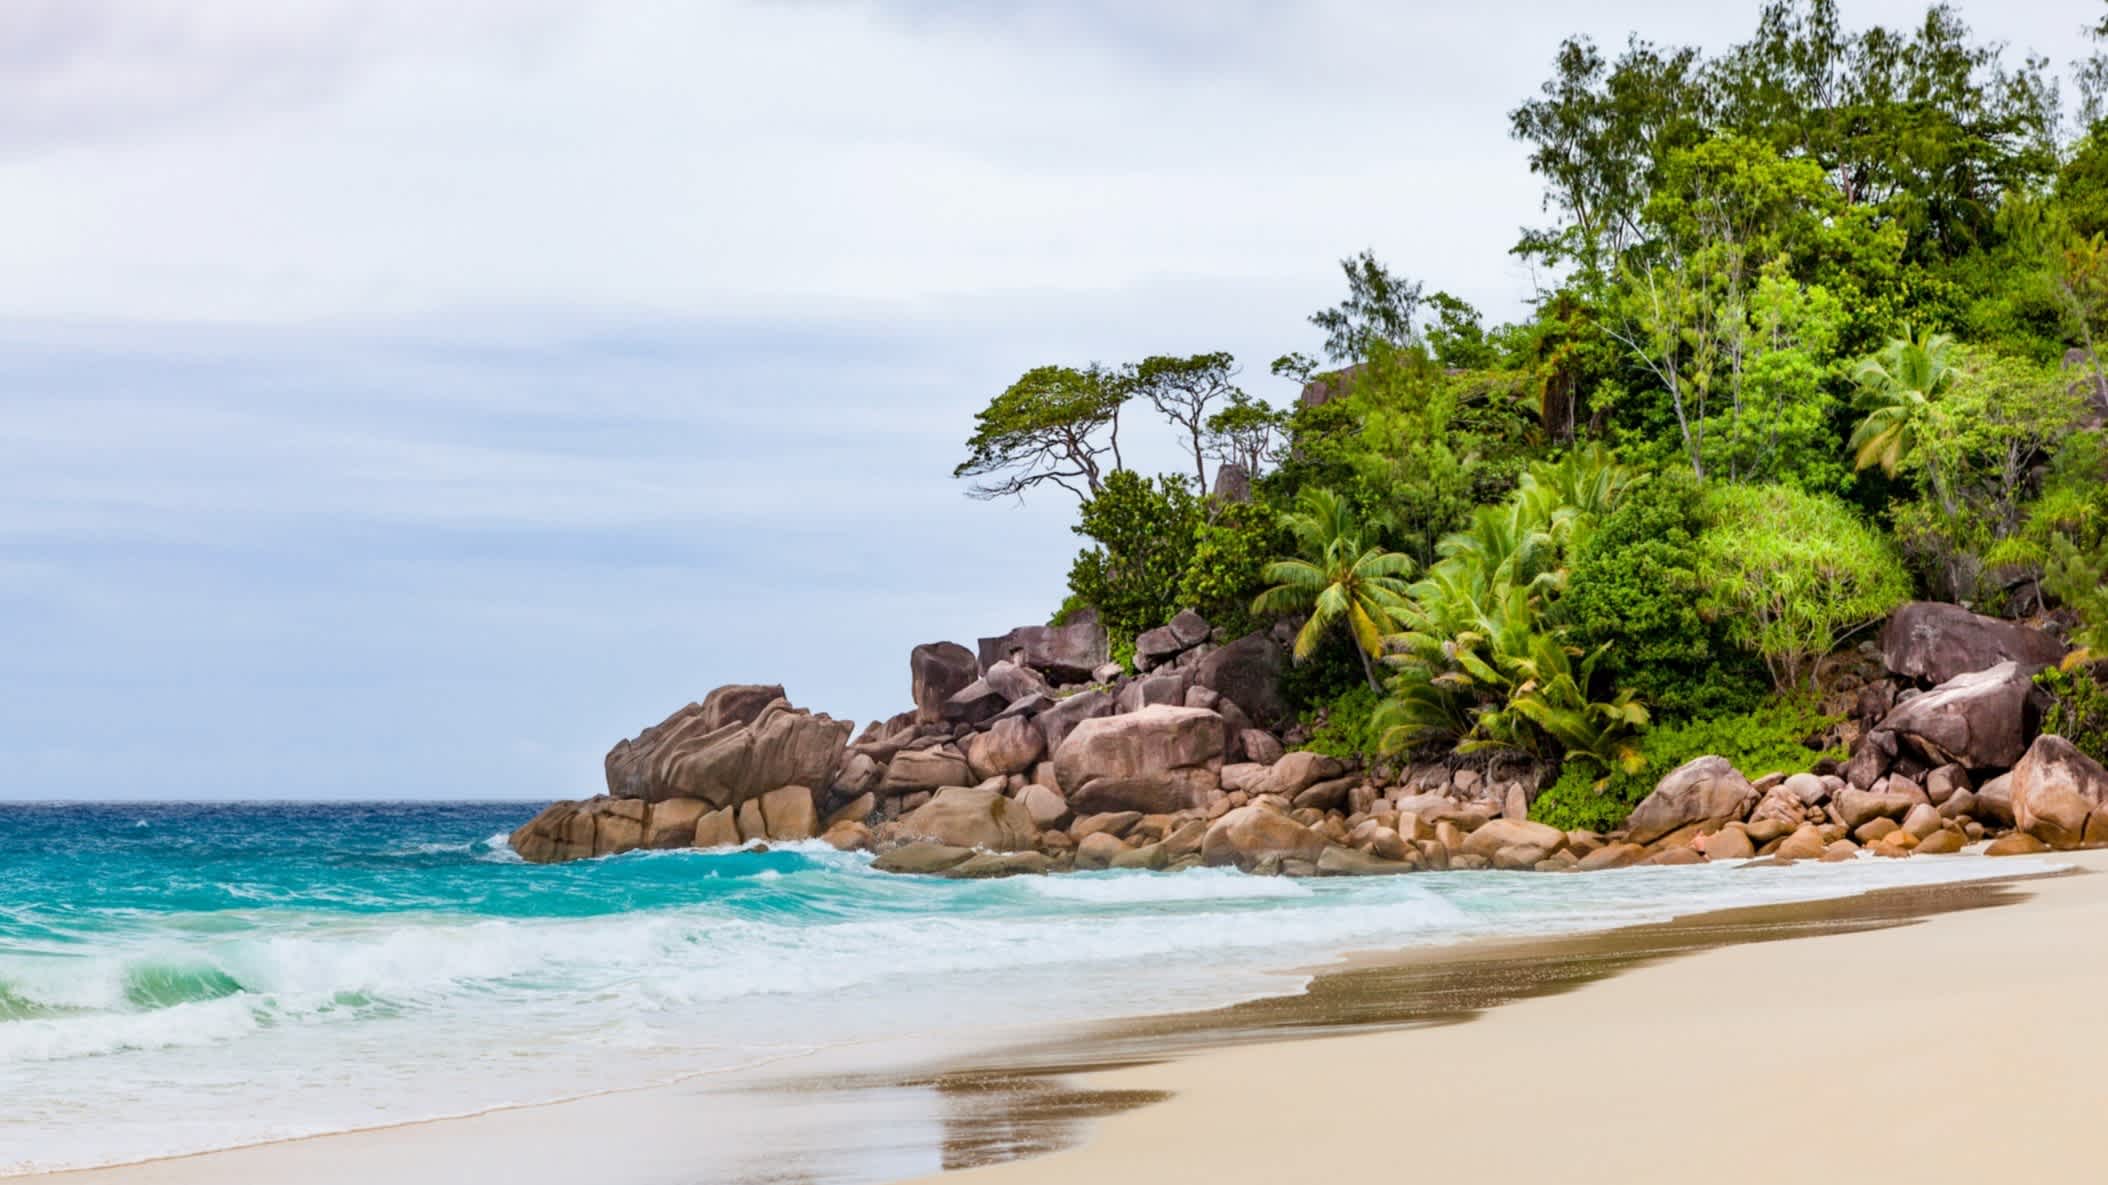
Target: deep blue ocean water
[(178, 977)]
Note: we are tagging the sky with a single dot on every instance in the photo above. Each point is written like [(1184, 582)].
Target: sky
[(410, 398)]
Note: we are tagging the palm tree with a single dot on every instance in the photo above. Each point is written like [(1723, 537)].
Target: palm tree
[(1340, 577), (1902, 385)]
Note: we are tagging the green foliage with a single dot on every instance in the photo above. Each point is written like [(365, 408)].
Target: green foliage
[(1411, 446), (1772, 738), (1380, 309), (1996, 427), (1144, 536), (1343, 726), (1903, 391), (1634, 591), (1793, 574), (1480, 661), (1245, 432), (2082, 185), (2078, 705), (1227, 567), (1457, 338), (1055, 424), (1338, 576), (1182, 389)]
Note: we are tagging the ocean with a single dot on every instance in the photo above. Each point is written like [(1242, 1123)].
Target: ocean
[(181, 977)]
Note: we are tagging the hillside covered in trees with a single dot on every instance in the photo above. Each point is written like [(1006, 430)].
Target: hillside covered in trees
[(1819, 338)]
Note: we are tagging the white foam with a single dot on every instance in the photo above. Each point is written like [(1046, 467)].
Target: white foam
[(1200, 884)]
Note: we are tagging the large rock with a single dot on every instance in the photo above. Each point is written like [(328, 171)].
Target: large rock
[(1298, 771), (1010, 746), (1162, 687), (1061, 717), (1159, 760), (594, 827), (1700, 791), (976, 703), (562, 831), (972, 817), (1980, 720), (1935, 642), (671, 823), (938, 671), (1158, 646), (1507, 833), (724, 751), (923, 859), (2060, 795), (925, 769), (788, 813), (1015, 683), (1857, 808), (1044, 803), (1063, 653), (1247, 672), (1250, 834)]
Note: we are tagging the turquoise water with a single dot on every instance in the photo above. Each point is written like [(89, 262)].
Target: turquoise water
[(182, 977)]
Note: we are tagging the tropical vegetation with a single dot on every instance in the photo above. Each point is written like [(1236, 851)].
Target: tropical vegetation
[(1816, 334)]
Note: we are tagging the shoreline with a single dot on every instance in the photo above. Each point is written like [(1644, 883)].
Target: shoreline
[(995, 1101), (1942, 1031)]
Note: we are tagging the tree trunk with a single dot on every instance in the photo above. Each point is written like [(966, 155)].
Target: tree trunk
[(1368, 670)]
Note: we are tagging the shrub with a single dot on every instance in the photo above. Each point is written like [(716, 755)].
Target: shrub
[(1634, 588), (1772, 738), (1144, 533), (1229, 553), (1792, 574), (2078, 708), (1343, 727)]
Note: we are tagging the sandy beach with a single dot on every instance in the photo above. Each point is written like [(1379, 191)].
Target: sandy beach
[(1932, 1048), (1947, 1050)]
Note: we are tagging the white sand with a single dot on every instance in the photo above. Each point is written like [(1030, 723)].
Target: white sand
[(1971, 1047)]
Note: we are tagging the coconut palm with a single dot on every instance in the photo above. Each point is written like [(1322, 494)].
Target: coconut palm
[(1902, 386), (1341, 577)]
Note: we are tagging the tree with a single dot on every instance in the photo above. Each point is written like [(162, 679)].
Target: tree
[(1247, 432), (1705, 301), (1340, 578), (1480, 656), (1793, 574), (1380, 307), (1457, 337), (1599, 133), (1182, 389), (1144, 532), (1047, 428), (1901, 387)]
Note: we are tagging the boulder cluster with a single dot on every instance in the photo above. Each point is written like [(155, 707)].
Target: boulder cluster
[(1034, 753), (1039, 717)]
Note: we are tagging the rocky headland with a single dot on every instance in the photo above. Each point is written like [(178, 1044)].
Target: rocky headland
[(1035, 753)]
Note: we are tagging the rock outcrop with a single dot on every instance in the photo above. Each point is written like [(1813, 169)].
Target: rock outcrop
[(1247, 672), (1935, 642), (1700, 791), (1157, 760), (1254, 835), (1063, 653), (972, 817), (936, 672), (739, 743), (2060, 795), (1979, 720)]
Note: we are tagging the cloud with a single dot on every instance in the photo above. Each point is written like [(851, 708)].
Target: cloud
[(77, 70), (414, 396)]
